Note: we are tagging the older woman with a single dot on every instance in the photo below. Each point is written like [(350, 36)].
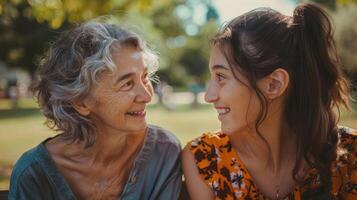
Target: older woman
[(93, 87)]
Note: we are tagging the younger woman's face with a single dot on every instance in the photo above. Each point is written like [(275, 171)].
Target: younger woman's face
[(236, 103)]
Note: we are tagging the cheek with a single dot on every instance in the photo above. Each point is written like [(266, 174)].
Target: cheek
[(235, 95), (243, 103), (117, 103), (253, 109), (129, 95)]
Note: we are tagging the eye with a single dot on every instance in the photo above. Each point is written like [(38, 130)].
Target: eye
[(127, 85), (220, 77)]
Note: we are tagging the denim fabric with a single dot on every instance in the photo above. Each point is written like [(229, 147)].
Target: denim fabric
[(156, 173)]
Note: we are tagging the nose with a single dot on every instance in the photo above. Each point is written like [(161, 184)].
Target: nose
[(211, 94), (145, 92)]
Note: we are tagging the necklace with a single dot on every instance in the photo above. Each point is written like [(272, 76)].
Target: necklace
[(277, 192)]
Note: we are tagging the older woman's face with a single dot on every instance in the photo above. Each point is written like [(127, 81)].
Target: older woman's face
[(118, 102)]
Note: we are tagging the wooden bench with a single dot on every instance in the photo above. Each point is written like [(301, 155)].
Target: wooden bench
[(3, 194), (183, 194)]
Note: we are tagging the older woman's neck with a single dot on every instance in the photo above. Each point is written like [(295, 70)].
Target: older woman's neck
[(110, 146)]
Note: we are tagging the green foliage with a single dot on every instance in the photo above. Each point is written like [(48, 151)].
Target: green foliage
[(345, 18), (332, 4), (27, 27), (22, 38)]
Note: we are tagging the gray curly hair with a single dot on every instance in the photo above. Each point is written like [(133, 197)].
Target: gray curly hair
[(73, 66)]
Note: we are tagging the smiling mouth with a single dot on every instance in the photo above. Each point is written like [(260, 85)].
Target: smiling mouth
[(141, 113), (223, 111)]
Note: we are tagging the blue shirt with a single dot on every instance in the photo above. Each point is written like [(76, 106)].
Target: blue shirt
[(156, 173)]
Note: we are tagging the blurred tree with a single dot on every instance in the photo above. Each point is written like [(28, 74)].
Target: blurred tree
[(22, 38), (27, 26), (192, 48), (331, 4), (345, 18), (328, 3), (196, 54), (344, 13)]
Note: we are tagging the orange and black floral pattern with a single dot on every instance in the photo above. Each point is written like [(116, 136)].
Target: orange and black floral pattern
[(221, 168)]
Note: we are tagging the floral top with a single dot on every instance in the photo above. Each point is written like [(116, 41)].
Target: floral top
[(221, 168)]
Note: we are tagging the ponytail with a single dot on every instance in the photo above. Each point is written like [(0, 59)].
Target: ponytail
[(317, 60)]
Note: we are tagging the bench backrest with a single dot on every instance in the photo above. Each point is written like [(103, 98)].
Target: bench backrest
[(3, 194)]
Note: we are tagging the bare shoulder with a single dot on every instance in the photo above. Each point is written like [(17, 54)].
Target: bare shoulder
[(188, 159), (196, 187)]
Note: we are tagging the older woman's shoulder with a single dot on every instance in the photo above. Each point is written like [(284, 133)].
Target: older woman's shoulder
[(27, 170), (163, 136), (27, 159)]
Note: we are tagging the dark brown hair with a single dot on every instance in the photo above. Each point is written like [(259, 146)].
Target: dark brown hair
[(263, 40)]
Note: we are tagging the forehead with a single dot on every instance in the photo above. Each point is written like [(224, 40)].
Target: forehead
[(128, 59), (217, 57)]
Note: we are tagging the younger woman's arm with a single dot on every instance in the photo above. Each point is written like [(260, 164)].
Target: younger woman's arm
[(196, 187)]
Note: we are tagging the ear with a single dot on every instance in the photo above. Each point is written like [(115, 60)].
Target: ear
[(81, 107), (275, 84)]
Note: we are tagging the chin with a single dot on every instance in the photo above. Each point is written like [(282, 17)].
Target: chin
[(225, 128), (138, 127)]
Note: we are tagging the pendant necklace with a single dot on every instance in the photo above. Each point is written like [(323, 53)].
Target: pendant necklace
[(277, 192)]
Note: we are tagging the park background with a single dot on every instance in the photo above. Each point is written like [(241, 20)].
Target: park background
[(179, 30)]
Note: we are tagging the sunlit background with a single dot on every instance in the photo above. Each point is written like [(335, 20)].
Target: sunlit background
[(179, 30)]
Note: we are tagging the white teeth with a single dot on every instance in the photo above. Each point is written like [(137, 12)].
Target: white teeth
[(136, 113), (222, 111)]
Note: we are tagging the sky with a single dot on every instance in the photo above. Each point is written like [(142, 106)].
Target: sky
[(228, 9)]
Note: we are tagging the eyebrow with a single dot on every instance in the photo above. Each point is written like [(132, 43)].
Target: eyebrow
[(216, 67), (123, 77)]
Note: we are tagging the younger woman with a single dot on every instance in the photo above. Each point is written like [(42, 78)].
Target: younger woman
[(275, 82)]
